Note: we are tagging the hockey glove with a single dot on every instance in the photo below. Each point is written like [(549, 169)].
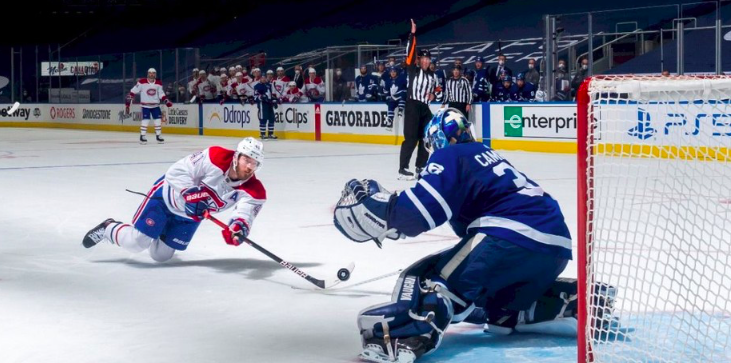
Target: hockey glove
[(197, 201), (168, 103), (237, 231), (363, 210)]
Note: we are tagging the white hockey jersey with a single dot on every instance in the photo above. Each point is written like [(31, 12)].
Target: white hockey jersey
[(280, 86), (245, 88), (314, 89), (209, 169), (224, 89), (292, 95), (151, 93), (205, 90), (192, 87)]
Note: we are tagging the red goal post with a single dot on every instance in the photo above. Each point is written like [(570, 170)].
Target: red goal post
[(654, 218)]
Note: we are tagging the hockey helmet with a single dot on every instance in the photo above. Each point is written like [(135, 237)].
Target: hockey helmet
[(445, 126), (520, 77), (252, 148)]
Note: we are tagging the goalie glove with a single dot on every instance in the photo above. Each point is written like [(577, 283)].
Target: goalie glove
[(237, 231), (363, 210)]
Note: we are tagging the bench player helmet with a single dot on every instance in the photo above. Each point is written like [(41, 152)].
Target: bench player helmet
[(447, 124)]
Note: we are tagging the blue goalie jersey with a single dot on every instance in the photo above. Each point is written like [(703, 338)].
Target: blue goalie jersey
[(476, 190)]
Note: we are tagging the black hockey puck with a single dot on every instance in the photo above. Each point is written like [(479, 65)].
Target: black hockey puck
[(343, 274)]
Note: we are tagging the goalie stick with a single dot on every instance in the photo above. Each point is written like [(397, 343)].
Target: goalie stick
[(319, 283)]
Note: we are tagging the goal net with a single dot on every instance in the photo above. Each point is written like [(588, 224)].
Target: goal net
[(654, 178)]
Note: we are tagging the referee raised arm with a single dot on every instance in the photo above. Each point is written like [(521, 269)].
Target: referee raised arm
[(421, 86), (458, 92)]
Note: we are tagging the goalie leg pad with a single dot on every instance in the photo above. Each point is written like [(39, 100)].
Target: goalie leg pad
[(414, 321)]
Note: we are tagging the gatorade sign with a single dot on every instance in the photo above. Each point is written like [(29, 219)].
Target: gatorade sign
[(554, 122)]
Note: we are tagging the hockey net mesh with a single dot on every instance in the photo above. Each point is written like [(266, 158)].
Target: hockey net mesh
[(658, 272)]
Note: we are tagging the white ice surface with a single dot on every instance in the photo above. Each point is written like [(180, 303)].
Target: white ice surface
[(60, 302)]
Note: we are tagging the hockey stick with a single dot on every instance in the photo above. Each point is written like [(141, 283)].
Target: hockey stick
[(381, 277), (319, 283)]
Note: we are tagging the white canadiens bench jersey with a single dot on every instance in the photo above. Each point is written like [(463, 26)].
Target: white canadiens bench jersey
[(209, 169), (151, 93), (206, 90)]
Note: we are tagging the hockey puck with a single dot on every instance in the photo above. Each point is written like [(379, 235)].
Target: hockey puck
[(343, 274)]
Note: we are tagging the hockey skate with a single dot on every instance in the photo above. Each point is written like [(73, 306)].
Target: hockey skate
[(404, 174), (397, 351), (143, 140), (96, 234), (418, 173), (272, 137), (159, 139)]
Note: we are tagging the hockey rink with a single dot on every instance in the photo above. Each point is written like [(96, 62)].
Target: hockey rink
[(60, 302)]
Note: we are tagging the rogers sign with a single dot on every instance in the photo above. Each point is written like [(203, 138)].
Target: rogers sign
[(63, 113)]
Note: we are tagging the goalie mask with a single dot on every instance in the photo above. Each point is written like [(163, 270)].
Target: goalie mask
[(448, 126)]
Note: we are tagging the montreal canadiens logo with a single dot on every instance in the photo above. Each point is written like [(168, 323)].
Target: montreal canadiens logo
[(151, 92), (150, 222)]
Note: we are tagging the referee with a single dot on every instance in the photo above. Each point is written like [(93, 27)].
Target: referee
[(458, 92), (420, 92)]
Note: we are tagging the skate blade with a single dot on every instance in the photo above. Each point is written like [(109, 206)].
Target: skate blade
[(378, 357), (406, 177)]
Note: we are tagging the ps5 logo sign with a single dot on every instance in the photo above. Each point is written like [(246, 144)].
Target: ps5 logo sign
[(643, 130), (720, 124)]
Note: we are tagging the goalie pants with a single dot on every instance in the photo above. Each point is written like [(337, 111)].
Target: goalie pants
[(497, 274), (416, 116)]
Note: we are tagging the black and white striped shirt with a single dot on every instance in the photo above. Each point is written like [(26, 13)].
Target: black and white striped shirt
[(458, 91), (421, 83)]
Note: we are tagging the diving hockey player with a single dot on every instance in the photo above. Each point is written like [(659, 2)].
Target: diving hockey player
[(514, 245), (151, 95), (212, 180)]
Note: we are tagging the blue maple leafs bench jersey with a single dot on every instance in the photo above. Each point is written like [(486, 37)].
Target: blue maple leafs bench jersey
[(476, 190)]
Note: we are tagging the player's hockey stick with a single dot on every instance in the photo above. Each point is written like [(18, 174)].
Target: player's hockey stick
[(368, 281), (319, 283)]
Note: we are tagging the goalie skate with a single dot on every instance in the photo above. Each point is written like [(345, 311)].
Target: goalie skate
[(375, 353)]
